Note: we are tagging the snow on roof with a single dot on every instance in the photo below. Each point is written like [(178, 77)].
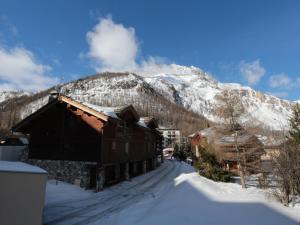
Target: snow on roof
[(108, 111), (142, 123), (270, 141), (24, 140), (20, 167), (194, 134), (111, 112), (232, 138), (222, 136)]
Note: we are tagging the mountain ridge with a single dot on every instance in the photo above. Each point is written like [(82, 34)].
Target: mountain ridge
[(187, 87)]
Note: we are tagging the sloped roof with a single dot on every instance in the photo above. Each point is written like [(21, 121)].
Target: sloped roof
[(123, 109), (194, 134), (148, 121), (221, 136), (108, 111), (86, 107), (100, 112)]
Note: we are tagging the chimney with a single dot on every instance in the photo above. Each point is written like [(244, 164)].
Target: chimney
[(53, 95)]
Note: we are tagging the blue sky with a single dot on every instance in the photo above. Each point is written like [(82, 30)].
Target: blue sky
[(255, 43)]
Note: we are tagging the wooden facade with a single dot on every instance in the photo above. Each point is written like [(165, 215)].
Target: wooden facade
[(115, 142), (227, 147)]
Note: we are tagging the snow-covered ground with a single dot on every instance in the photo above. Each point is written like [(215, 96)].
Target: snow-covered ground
[(172, 194)]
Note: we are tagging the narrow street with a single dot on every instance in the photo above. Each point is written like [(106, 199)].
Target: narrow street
[(113, 199)]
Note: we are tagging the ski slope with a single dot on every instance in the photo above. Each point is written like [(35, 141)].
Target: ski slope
[(172, 194)]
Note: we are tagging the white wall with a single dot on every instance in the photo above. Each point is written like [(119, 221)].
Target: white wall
[(22, 198)]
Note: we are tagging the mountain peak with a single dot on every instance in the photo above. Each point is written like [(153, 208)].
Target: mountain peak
[(175, 69)]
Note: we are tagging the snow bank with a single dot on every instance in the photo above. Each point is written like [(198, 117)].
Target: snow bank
[(197, 200), (180, 196)]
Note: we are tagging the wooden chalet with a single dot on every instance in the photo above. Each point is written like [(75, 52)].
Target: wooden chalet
[(90, 145), (228, 146)]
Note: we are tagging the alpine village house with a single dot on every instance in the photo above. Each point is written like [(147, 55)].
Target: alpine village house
[(89, 145), (228, 146)]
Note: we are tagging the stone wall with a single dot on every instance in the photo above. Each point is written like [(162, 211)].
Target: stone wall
[(72, 172), (79, 172)]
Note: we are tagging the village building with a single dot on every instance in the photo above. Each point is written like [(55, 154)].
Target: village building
[(272, 147), (168, 153), (228, 146), (12, 146), (90, 145), (171, 136)]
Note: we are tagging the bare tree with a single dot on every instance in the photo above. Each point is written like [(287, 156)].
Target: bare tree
[(231, 112), (247, 154), (232, 108)]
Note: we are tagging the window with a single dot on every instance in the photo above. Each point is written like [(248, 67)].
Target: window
[(113, 145), (127, 147)]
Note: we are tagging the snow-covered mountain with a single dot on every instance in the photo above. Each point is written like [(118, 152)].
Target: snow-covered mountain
[(188, 87), (198, 91), (5, 95)]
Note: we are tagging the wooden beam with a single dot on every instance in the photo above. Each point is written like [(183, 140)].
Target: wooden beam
[(92, 121), (83, 108)]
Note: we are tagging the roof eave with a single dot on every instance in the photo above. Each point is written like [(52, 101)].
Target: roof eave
[(84, 108)]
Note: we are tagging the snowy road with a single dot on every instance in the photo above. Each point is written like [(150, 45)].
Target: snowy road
[(172, 194), (94, 206)]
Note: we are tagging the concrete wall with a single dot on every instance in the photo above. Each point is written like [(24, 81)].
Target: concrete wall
[(22, 198)]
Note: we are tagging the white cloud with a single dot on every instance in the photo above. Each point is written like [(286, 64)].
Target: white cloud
[(252, 71), (112, 46), (19, 70), (280, 81)]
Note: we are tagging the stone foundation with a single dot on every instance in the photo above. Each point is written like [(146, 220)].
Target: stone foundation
[(87, 174), (73, 172)]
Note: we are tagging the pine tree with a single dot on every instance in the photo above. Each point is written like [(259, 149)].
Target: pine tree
[(287, 163), (294, 140), (295, 126)]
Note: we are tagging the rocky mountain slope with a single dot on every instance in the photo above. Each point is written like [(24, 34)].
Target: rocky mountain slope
[(199, 92), (188, 88), (5, 95)]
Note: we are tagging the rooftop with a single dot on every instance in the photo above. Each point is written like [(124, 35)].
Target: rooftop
[(20, 167)]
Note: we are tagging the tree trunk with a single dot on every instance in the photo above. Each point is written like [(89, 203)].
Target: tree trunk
[(285, 197), (242, 176)]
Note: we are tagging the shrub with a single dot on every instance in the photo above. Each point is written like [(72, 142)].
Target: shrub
[(210, 168)]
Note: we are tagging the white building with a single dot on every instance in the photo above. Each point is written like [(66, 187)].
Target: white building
[(171, 136), (22, 193)]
